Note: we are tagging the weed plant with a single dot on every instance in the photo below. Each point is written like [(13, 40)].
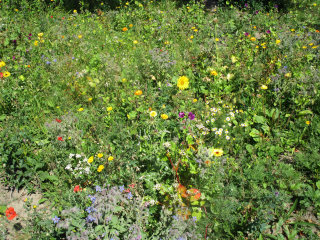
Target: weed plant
[(198, 125)]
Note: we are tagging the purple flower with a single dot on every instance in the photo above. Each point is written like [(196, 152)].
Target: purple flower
[(181, 115), (30, 34), (276, 193), (276, 6), (55, 219), (98, 189), (246, 34), (72, 58), (13, 57), (55, 60), (269, 31), (191, 116), (246, 5), (14, 41), (257, 12), (29, 38), (90, 219), (27, 50)]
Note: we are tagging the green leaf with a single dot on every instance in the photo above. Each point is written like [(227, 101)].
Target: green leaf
[(98, 228), (305, 224), (249, 148), (318, 184), (295, 204), (260, 237), (271, 236), (3, 117), (305, 112), (259, 119), (42, 200)]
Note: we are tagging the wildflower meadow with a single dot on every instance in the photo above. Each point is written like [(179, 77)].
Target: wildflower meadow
[(160, 119)]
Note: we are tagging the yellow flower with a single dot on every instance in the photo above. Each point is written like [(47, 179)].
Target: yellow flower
[(89, 99), (6, 74), (217, 39), (36, 43), (233, 59), (127, 3), (254, 27), (124, 29), (264, 87), (40, 35), (194, 100), (164, 116), (304, 47), (80, 36), (153, 113), (166, 42), (101, 3), (124, 80), (110, 158), (196, 30), (208, 162), (74, 11), (253, 39), (217, 152), (278, 41), (109, 108), (42, 41), (34, 206), (183, 83), (2, 64), (138, 92), (308, 122), (314, 4), (135, 42), (310, 44), (130, 25), (257, 46), (80, 110), (100, 155), (288, 74), (314, 47), (90, 160), (191, 37), (292, 30), (214, 73), (100, 168)]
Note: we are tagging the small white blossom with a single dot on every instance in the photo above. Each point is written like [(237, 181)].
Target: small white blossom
[(71, 155), (78, 155), (227, 137), (167, 144)]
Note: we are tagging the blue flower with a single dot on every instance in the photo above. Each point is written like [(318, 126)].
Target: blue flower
[(129, 195), (194, 219), (72, 58), (175, 217), (48, 63), (90, 218), (92, 198), (89, 209), (55, 60), (121, 188), (98, 189), (55, 219)]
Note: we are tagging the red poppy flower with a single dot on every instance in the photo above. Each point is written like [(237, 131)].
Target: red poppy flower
[(127, 191), (10, 213), (60, 139), (1, 74), (77, 189), (51, 16), (58, 120)]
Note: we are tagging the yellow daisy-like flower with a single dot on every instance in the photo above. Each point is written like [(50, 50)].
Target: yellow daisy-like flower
[(6, 74), (278, 41), (42, 41), (36, 43), (137, 93), (217, 39), (195, 100), (74, 11), (89, 99), (2, 64), (135, 42), (310, 44), (124, 80), (40, 35), (100, 155), (214, 73), (164, 116), (90, 160), (183, 83), (253, 39), (288, 74), (208, 162), (191, 37), (130, 25), (233, 59), (124, 29), (304, 47), (264, 87), (292, 30), (166, 42), (34, 206), (80, 110), (217, 152), (196, 30), (308, 122), (110, 158), (109, 108), (153, 113), (100, 168), (314, 47), (80, 36)]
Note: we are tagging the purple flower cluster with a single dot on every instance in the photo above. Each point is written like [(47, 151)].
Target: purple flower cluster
[(191, 116)]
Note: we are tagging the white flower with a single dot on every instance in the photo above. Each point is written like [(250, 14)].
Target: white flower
[(152, 202), (71, 155), (227, 137), (217, 132), (212, 120), (228, 119), (167, 144), (87, 170), (69, 167), (229, 124), (220, 129), (157, 186), (207, 121), (226, 131), (78, 156)]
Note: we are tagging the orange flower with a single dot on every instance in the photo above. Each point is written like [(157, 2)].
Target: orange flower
[(137, 93), (124, 29), (150, 109), (317, 31), (10, 213)]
